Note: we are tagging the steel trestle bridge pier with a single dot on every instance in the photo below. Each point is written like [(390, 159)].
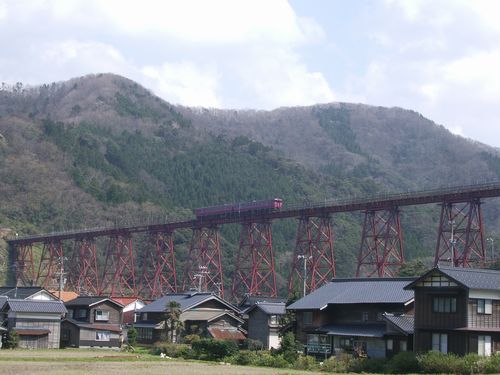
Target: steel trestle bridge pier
[(460, 241)]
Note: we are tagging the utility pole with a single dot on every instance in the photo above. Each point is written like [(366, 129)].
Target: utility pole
[(201, 277), (452, 242), (61, 277), (491, 240), (304, 277)]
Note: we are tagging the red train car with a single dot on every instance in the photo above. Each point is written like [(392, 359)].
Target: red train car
[(239, 208)]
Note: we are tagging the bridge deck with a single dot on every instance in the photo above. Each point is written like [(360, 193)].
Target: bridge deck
[(380, 202)]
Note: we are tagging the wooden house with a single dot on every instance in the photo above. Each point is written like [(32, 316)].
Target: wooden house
[(457, 310)]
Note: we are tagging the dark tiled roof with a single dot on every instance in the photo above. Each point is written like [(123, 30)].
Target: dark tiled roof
[(474, 278), (471, 278), (402, 322), (185, 300), (36, 306), (270, 308), (3, 300), (353, 291), (89, 301), (360, 330), (95, 326), (19, 292)]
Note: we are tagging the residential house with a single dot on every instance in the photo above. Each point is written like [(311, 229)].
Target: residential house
[(264, 322), (130, 307), (27, 292), (92, 321), (36, 322), (204, 314), (457, 310), (347, 315), (398, 334)]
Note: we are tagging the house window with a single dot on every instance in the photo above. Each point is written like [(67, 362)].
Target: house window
[(102, 335), (144, 333), (402, 346), (82, 313), (364, 316), (345, 343), (101, 315), (440, 342), (273, 320), (307, 317), (484, 306), (70, 313), (484, 345), (444, 304), (144, 316), (390, 344)]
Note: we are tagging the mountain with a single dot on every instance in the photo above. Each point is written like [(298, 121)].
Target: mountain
[(101, 150)]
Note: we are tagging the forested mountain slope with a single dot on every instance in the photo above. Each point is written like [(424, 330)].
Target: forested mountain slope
[(101, 150)]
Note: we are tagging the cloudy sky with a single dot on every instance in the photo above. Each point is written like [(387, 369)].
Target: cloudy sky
[(440, 58)]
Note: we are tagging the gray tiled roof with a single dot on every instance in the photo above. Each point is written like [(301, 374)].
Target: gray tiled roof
[(270, 308), (36, 306), (474, 278), (3, 300), (89, 300), (360, 330), (185, 300), (351, 291), (404, 323), (21, 292)]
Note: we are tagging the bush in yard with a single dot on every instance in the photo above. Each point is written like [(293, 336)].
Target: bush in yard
[(305, 362), (214, 350), (266, 359), (255, 345), (492, 364), (12, 340), (438, 363), (338, 364), (173, 350), (244, 358), (131, 338), (403, 363), (189, 339), (370, 365), (289, 347)]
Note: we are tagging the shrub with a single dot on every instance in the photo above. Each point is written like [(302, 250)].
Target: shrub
[(435, 362), (338, 364), (12, 340), (403, 363), (371, 365), (244, 358), (214, 350), (492, 364), (266, 359), (289, 347), (251, 344), (305, 362), (173, 350), (189, 339), (131, 338)]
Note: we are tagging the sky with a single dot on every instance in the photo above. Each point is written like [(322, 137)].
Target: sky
[(440, 58)]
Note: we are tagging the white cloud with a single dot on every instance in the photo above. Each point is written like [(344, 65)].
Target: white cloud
[(184, 83)]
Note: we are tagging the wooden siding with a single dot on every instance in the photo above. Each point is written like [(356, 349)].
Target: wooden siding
[(425, 318), (457, 341), (476, 320), (258, 327)]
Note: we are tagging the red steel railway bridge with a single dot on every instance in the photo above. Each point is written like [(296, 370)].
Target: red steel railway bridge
[(460, 241)]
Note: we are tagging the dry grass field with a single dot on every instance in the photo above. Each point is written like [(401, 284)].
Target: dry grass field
[(79, 362)]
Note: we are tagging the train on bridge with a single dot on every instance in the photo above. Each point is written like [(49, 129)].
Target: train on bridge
[(243, 208)]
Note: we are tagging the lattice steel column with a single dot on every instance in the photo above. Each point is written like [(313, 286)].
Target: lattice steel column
[(49, 263), (203, 270), (314, 245), (255, 272), (83, 274), (381, 252), (119, 271), (159, 276), (24, 266), (461, 235)]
